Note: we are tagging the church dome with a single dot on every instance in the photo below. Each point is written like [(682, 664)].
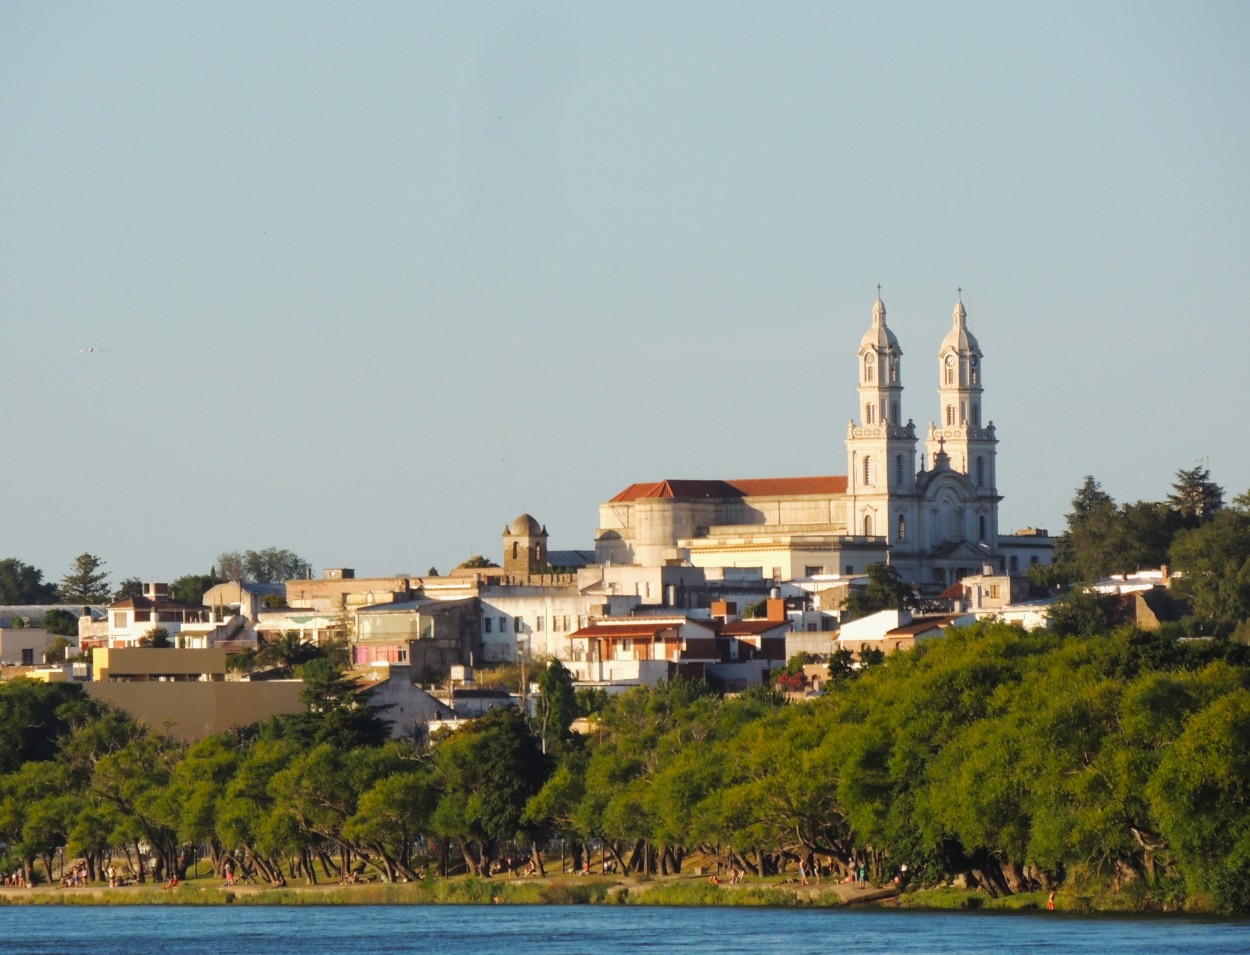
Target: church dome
[(879, 335), (525, 526), (959, 338)]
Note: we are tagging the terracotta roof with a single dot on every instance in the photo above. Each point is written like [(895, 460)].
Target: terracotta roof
[(752, 627), (954, 592), (924, 624), (624, 630), (748, 487)]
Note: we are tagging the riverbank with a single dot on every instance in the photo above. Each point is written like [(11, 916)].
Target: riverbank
[(683, 890), (552, 890)]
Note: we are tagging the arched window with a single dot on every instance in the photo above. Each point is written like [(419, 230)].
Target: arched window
[(980, 471), (869, 476), (898, 470), (902, 527), (516, 548), (981, 527), (868, 368), (867, 525), (893, 369), (870, 413), (894, 415), (950, 416), (976, 415)]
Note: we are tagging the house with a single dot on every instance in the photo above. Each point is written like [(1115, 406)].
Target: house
[(619, 652), (890, 630), (134, 621)]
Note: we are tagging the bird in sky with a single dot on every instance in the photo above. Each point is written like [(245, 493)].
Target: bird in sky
[(90, 348)]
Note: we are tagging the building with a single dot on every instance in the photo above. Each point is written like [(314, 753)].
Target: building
[(932, 513)]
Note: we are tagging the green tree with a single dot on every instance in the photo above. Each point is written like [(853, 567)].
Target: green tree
[(1212, 562), (23, 584), (488, 770), (273, 565), (475, 562), (86, 582), (556, 705), (130, 587), (1083, 613), (885, 591), (190, 588), (337, 711), (1195, 497), (60, 622)]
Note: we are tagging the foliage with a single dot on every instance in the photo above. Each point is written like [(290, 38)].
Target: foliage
[(272, 565), (85, 582), (190, 588), (23, 584), (60, 622), (885, 591), (130, 587), (477, 561), (1084, 613), (556, 706)]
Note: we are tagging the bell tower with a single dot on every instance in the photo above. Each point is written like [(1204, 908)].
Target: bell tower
[(881, 449), (963, 440)]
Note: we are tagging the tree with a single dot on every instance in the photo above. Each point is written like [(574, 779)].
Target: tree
[(86, 582), (475, 562), (190, 588), (1212, 562), (337, 712), (885, 591), (272, 565), (23, 584), (556, 705), (1082, 613), (130, 587), (1195, 496), (60, 622)]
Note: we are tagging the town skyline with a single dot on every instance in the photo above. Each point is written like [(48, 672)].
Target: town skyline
[(368, 285)]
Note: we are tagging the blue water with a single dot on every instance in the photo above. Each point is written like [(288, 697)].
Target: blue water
[(555, 930)]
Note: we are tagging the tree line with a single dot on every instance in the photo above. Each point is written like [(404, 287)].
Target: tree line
[(87, 582), (1007, 759)]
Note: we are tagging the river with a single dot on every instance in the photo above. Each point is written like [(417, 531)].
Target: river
[(588, 930)]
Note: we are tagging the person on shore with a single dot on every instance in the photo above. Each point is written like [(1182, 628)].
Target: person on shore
[(1050, 902)]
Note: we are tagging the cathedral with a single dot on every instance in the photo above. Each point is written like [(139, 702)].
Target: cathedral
[(933, 517)]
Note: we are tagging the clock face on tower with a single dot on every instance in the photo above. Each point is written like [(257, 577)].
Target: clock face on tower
[(973, 361), (950, 361)]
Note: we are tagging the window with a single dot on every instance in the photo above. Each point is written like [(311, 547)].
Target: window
[(119, 620), (902, 527), (868, 368), (981, 527), (850, 569), (28, 656), (869, 476), (870, 413), (516, 549), (898, 470), (518, 624), (894, 415), (811, 571), (486, 625), (893, 369), (503, 624), (963, 412), (950, 374), (950, 416), (867, 525), (566, 622), (538, 624), (980, 471), (976, 415)]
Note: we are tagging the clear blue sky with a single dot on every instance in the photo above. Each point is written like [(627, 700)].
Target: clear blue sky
[(373, 279)]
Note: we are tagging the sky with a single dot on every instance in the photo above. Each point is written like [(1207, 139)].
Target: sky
[(367, 281)]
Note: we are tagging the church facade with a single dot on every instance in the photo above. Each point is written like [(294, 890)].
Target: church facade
[(932, 513)]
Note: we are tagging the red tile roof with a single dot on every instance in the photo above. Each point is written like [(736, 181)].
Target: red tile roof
[(624, 630), (738, 628), (748, 487)]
